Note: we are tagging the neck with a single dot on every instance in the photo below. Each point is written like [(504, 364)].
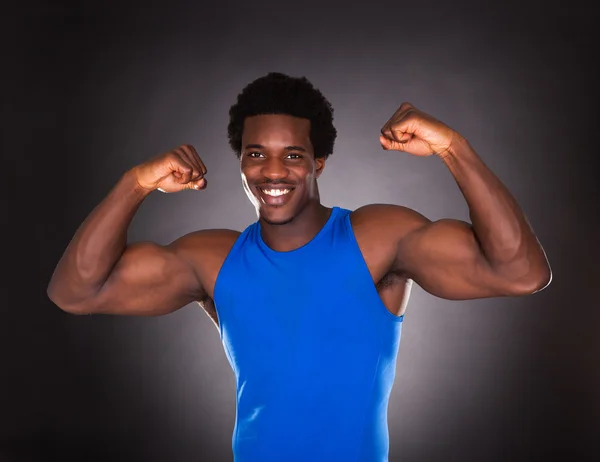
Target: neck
[(301, 230)]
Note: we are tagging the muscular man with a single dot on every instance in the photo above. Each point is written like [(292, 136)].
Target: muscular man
[(309, 300)]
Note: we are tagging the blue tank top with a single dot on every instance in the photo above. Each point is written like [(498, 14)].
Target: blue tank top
[(312, 346)]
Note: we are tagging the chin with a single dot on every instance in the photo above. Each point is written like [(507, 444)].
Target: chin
[(277, 218)]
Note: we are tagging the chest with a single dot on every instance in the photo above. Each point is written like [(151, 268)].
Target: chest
[(329, 313), (392, 288)]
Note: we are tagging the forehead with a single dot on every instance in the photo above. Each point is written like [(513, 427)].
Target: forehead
[(275, 129)]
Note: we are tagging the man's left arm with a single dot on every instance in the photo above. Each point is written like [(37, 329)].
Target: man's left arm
[(497, 254)]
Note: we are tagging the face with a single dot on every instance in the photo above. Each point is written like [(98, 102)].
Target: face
[(278, 166)]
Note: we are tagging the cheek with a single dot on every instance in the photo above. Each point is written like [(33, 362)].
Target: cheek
[(249, 172), (304, 173), (246, 178), (308, 181), (309, 178)]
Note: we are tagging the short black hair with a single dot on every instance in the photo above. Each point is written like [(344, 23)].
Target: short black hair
[(277, 93)]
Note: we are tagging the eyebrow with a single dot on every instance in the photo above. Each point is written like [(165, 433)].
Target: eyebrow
[(287, 148)]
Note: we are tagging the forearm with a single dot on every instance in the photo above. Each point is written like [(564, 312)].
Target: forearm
[(97, 245), (507, 240)]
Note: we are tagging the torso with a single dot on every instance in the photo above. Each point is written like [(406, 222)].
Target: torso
[(377, 249)]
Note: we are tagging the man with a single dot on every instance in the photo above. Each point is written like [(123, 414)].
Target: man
[(309, 300)]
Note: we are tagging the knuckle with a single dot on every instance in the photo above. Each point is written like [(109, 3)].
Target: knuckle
[(411, 115)]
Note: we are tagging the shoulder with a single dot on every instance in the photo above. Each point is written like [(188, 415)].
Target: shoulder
[(379, 230), (205, 241), (210, 235), (386, 220), (206, 251)]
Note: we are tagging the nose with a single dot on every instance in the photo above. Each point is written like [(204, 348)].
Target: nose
[(274, 168)]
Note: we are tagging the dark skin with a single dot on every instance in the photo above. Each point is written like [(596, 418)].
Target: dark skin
[(496, 255), (277, 153)]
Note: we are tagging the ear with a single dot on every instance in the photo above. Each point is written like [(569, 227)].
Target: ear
[(319, 166)]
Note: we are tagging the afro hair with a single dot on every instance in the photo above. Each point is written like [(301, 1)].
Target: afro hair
[(277, 93)]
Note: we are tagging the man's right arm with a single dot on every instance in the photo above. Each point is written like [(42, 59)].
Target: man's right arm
[(100, 273)]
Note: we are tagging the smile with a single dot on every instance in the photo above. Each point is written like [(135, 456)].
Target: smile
[(275, 196), (275, 192)]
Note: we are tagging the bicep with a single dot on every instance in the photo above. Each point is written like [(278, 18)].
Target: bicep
[(149, 279), (445, 258)]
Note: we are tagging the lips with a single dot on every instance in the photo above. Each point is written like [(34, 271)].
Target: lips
[(275, 200)]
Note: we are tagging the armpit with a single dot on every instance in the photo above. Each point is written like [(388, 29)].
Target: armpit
[(208, 305)]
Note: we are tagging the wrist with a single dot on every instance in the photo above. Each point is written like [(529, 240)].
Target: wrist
[(130, 178), (459, 147)]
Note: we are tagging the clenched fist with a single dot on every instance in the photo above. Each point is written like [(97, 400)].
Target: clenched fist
[(412, 131), (173, 171)]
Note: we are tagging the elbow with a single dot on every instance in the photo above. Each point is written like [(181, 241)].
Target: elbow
[(523, 276), (533, 283), (69, 307), (545, 280), (542, 279)]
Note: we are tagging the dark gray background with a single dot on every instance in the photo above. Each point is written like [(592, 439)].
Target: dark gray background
[(90, 92)]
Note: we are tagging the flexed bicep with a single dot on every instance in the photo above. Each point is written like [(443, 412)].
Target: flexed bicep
[(148, 280), (445, 258)]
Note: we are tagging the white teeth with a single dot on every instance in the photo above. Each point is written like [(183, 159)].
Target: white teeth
[(276, 192)]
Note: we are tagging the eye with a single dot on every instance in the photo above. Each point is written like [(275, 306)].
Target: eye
[(254, 154), (295, 156)]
